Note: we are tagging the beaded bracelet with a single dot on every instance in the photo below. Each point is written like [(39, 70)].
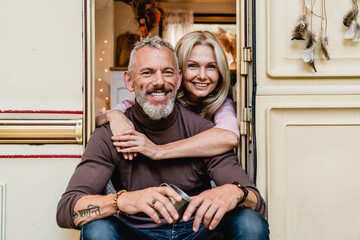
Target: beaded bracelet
[(115, 200)]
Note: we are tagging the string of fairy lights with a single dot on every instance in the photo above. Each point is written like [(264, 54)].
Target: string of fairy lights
[(102, 73)]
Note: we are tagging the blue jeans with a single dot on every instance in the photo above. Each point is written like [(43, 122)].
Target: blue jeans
[(243, 224)]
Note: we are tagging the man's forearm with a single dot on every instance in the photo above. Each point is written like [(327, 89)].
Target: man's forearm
[(92, 207)]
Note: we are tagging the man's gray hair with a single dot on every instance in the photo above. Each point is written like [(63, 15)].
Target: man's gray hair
[(154, 42)]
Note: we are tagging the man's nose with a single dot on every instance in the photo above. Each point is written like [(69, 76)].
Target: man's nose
[(159, 80)]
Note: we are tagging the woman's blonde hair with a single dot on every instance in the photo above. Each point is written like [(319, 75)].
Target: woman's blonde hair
[(208, 105)]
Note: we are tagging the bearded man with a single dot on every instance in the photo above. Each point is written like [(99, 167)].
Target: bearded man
[(145, 208)]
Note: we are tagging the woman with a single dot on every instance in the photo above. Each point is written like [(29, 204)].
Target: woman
[(205, 90)]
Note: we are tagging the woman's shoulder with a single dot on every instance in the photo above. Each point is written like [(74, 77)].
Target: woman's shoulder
[(227, 107)]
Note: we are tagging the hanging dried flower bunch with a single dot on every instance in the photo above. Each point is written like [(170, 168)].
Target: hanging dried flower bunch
[(148, 15), (303, 31), (350, 21)]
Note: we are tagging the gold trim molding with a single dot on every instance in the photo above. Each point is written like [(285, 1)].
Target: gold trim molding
[(41, 131)]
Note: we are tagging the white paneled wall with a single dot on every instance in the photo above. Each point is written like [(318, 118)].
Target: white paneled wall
[(308, 126)]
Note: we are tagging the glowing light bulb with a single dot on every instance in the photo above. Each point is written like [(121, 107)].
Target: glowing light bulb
[(107, 98), (103, 109), (99, 79), (100, 59), (103, 52), (106, 70), (105, 41), (101, 90)]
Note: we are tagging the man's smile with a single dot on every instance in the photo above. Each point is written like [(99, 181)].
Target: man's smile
[(159, 95)]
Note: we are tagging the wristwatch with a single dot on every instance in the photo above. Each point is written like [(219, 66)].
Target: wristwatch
[(246, 192)]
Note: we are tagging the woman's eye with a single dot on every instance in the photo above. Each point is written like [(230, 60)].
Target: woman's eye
[(212, 66), (192, 65)]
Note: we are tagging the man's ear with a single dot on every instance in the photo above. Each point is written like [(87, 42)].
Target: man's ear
[(128, 81), (179, 80)]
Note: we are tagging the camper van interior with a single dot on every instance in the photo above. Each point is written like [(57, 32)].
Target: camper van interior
[(117, 28)]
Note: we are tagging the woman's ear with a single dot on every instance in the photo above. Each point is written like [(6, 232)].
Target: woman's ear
[(128, 81)]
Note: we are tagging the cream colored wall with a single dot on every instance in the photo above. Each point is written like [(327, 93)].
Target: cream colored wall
[(308, 126), (41, 52), (41, 68)]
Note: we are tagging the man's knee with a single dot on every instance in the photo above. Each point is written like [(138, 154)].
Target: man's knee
[(252, 223), (246, 224), (99, 229)]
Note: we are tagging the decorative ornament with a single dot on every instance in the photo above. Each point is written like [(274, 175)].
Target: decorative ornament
[(350, 16), (323, 47), (300, 28), (303, 31), (148, 15), (324, 40), (309, 52), (350, 21)]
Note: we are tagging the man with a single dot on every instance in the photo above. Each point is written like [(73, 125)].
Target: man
[(145, 210)]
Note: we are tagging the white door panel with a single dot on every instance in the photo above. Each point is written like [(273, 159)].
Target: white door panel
[(307, 126), (41, 47), (33, 188), (41, 69), (284, 56)]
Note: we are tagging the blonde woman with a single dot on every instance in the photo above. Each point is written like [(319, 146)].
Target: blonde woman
[(205, 90)]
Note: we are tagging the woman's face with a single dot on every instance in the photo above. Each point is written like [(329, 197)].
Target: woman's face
[(201, 74)]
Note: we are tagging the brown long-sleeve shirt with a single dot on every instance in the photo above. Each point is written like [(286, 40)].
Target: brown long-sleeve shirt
[(101, 162)]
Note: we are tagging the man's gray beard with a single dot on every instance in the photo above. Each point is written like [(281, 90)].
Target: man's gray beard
[(153, 111)]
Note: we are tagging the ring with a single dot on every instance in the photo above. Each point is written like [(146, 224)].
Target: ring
[(153, 203)]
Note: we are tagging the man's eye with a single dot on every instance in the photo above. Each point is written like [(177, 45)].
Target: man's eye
[(168, 73), (147, 73)]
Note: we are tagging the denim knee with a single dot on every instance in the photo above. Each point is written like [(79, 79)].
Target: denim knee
[(100, 229), (245, 224)]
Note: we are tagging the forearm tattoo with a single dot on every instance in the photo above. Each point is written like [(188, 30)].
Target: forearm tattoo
[(251, 201), (90, 210)]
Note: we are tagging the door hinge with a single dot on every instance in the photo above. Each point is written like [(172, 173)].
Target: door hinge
[(245, 122), (247, 114), (246, 59)]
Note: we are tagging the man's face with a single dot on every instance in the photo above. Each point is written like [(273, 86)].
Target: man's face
[(155, 81)]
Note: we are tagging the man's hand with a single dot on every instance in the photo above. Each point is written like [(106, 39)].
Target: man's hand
[(150, 201), (118, 124), (213, 204), (132, 141)]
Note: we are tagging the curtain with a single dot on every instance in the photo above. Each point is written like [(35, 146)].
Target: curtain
[(178, 22)]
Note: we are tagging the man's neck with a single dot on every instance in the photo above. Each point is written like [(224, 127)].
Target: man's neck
[(154, 125)]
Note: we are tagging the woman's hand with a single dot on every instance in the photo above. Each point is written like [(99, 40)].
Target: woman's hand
[(132, 141), (118, 124)]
